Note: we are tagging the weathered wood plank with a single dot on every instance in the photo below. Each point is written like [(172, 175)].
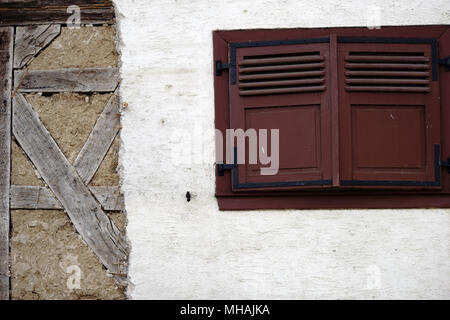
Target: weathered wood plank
[(67, 80), (86, 214), (99, 141), (35, 197), (30, 40), (110, 198), (6, 58), (28, 12)]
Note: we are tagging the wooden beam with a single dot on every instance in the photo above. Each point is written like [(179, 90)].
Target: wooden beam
[(99, 141), (30, 40), (86, 214), (35, 197), (28, 12), (67, 80), (6, 61), (110, 197)]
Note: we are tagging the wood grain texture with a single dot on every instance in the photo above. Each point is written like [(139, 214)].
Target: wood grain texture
[(28, 12), (6, 56), (35, 197), (334, 94), (30, 40), (109, 197), (94, 226), (67, 80), (99, 141)]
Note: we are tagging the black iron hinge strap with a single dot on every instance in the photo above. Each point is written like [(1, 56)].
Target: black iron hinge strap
[(446, 62), (445, 164), (221, 167), (221, 67)]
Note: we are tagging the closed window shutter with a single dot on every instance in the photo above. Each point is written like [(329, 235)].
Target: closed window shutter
[(283, 85), (362, 116), (389, 113)]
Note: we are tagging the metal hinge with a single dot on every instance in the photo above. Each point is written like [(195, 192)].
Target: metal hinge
[(445, 62), (221, 167), (445, 164), (221, 66)]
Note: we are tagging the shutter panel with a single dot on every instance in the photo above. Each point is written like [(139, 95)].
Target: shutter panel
[(283, 85), (389, 113)]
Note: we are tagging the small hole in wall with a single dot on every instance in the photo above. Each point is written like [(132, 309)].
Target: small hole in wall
[(190, 196)]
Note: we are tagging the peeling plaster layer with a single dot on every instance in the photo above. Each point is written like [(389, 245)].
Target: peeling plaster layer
[(191, 250)]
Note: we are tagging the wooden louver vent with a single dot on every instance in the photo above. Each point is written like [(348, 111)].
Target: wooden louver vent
[(281, 73), (391, 72)]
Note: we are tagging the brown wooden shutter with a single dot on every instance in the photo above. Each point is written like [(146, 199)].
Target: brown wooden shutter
[(389, 112), (283, 85), (381, 111)]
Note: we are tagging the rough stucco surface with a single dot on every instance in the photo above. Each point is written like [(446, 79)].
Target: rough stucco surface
[(69, 117), (22, 171), (192, 250), (85, 47), (106, 174), (44, 243)]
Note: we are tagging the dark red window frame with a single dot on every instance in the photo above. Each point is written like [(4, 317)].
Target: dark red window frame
[(333, 197)]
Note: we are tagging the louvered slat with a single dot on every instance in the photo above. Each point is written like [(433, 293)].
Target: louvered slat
[(389, 72), (249, 62), (387, 89), (418, 74), (303, 66), (284, 75), (282, 90), (386, 66), (386, 81), (280, 83), (281, 74), (387, 58)]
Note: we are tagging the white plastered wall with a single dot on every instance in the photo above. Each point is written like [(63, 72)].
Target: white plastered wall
[(193, 250)]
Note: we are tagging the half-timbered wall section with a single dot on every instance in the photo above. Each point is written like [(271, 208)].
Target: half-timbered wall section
[(59, 138), (59, 131)]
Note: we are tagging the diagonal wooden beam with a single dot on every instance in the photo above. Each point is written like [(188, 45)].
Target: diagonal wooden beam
[(110, 197), (67, 80), (86, 164), (6, 58), (30, 40), (94, 226), (35, 197), (99, 141)]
